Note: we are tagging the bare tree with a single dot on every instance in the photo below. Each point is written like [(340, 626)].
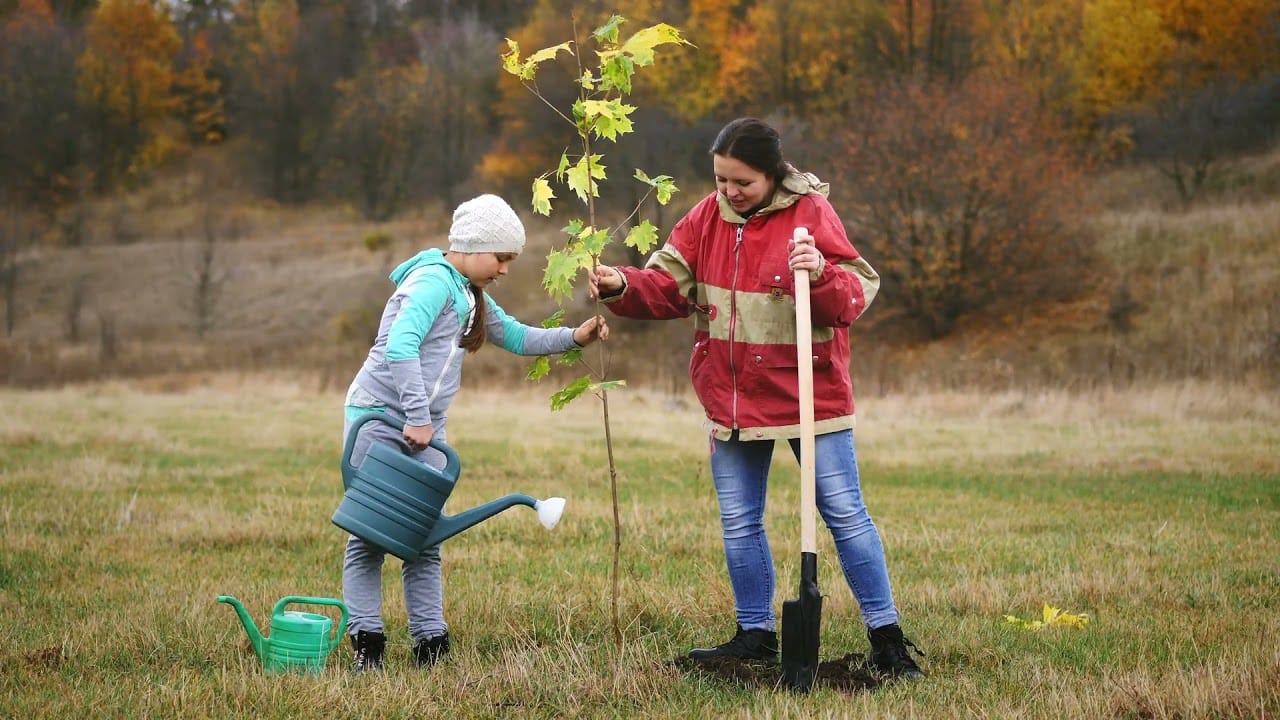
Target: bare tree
[(18, 230), (75, 306), (380, 130), (207, 275), (461, 86)]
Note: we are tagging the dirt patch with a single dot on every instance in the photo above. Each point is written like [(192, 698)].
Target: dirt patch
[(849, 674)]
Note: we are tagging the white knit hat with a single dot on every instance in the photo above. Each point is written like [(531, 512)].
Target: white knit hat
[(486, 224)]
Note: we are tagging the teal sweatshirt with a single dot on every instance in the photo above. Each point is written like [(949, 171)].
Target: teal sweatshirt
[(415, 364)]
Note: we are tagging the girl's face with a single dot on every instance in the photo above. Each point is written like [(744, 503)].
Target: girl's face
[(743, 186), (484, 268)]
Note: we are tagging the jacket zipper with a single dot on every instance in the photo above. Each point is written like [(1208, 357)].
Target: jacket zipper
[(733, 321), (454, 348)]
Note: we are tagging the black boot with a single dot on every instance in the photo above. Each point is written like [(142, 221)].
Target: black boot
[(745, 645), (889, 654), (369, 647), (432, 650)]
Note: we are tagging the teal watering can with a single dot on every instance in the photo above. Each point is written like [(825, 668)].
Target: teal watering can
[(299, 641), (396, 503)]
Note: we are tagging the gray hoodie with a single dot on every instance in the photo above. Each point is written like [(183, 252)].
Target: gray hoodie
[(415, 364)]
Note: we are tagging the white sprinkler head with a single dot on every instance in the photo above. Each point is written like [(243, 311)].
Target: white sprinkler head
[(549, 511)]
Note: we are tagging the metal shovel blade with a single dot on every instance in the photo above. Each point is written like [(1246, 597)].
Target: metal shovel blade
[(802, 629)]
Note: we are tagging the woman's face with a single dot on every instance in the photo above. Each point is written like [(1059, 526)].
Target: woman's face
[(743, 186), (484, 268)]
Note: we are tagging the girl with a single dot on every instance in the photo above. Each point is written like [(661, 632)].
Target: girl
[(437, 314)]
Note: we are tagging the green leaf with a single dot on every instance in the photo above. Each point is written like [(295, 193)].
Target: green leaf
[(573, 229), (608, 118), (594, 242), (640, 46), (587, 81), (570, 392), (526, 69), (571, 356), (539, 368), (664, 185), (608, 32), (642, 237), (551, 52), (542, 195), (607, 385), (554, 319), (583, 176), (511, 58), (666, 188), (616, 70), (562, 267), (564, 165)]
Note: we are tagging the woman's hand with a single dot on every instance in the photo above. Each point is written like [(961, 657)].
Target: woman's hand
[(595, 328), (417, 437), (604, 280), (805, 255)]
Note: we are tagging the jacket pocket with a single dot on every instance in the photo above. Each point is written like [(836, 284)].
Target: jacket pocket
[(774, 276)]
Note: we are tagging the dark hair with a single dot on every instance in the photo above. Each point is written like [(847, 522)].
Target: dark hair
[(754, 143), (474, 338)]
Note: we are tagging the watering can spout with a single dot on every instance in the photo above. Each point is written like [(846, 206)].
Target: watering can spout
[(250, 628), (447, 526)]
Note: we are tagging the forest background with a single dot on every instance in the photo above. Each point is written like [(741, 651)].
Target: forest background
[(1068, 193)]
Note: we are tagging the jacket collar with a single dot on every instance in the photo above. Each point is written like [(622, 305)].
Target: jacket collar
[(795, 185)]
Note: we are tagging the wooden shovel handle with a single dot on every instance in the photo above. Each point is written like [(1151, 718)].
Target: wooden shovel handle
[(804, 363)]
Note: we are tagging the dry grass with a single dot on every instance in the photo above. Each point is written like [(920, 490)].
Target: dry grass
[(127, 506), (1177, 295)]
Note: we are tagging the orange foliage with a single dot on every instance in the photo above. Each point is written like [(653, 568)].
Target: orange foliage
[(201, 95), (962, 198), (31, 17), (126, 81)]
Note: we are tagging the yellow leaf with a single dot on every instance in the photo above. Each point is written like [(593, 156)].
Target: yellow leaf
[(1050, 615)]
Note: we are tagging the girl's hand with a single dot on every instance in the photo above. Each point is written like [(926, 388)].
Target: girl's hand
[(595, 328), (417, 437), (604, 279), (805, 255)]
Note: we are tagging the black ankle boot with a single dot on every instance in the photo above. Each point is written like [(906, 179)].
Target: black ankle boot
[(432, 650), (745, 645), (889, 654), (369, 647)]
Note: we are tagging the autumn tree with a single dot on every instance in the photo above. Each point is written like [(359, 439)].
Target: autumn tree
[(962, 199), (125, 81), (40, 131), (380, 131), (1035, 43), (287, 67), (460, 87), (1168, 58), (202, 104), (924, 39)]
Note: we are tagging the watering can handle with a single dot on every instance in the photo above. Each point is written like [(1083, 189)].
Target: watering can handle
[(452, 466), (302, 600)]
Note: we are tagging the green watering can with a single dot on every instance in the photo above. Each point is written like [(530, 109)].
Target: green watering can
[(299, 641), (396, 503)]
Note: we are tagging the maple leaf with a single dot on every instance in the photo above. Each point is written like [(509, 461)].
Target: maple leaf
[(1049, 615), (542, 196)]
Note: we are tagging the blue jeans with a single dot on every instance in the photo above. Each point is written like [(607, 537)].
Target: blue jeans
[(741, 473)]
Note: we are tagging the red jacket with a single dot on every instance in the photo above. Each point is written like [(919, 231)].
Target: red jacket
[(732, 275)]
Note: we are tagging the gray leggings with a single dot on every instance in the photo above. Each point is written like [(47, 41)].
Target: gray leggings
[(362, 563)]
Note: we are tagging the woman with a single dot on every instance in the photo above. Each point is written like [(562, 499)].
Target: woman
[(730, 262)]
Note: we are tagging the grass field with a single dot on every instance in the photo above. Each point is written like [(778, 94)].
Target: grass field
[(125, 509)]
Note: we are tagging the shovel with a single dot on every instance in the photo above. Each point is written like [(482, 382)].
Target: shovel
[(802, 617)]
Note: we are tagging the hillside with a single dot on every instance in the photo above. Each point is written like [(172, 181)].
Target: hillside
[(1177, 294)]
